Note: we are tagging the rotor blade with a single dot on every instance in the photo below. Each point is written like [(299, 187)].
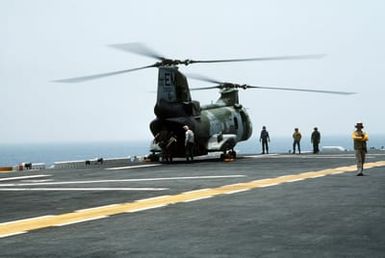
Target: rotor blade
[(297, 57), (202, 78), (304, 90), (208, 88), (101, 75), (139, 49)]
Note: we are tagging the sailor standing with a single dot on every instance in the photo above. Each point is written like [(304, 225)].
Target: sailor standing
[(297, 140), (315, 140), (189, 143), (359, 139), (264, 139)]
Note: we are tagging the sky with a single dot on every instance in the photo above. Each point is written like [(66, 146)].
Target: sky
[(46, 40)]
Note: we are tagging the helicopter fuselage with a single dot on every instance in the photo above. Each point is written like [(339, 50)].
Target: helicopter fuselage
[(217, 127)]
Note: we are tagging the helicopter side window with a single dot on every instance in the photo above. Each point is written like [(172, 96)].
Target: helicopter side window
[(236, 123)]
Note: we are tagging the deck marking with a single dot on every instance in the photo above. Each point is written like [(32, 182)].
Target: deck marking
[(26, 225), (37, 181), (95, 208), (146, 208), (238, 191), (262, 155), (295, 180), (81, 189), (198, 199), (197, 191), (80, 221), (123, 180), (26, 220), (22, 177), (336, 156), (136, 166), (152, 198)]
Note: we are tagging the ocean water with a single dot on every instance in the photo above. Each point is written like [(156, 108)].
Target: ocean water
[(48, 153)]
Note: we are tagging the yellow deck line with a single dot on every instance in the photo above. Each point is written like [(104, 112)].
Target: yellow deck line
[(22, 226)]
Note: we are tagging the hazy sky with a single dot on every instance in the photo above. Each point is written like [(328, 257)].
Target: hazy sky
[(45, 40)]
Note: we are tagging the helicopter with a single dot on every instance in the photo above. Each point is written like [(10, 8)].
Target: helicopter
[(217, 127)]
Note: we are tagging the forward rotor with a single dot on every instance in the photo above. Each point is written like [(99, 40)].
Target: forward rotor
[(143, 50)]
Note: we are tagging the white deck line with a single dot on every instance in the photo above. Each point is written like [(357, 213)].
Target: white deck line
[(82, 189), (22, 177), (79, 221), (135, 166)]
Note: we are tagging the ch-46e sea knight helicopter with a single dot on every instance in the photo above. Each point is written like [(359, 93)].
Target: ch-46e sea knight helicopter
[(218, 127)]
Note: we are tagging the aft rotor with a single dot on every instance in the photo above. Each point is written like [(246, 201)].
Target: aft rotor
[(230, 85)]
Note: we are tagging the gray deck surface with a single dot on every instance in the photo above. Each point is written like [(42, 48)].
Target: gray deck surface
[(339, 215)]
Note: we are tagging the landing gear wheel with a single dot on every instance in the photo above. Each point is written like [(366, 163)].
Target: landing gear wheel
[(229, 156), (153, 157), (233, 154)]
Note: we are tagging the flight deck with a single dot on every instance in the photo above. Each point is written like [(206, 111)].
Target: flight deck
[(276, 205)]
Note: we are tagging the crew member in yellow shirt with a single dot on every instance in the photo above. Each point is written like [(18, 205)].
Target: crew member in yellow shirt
[(297, 140), (359, 140)]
